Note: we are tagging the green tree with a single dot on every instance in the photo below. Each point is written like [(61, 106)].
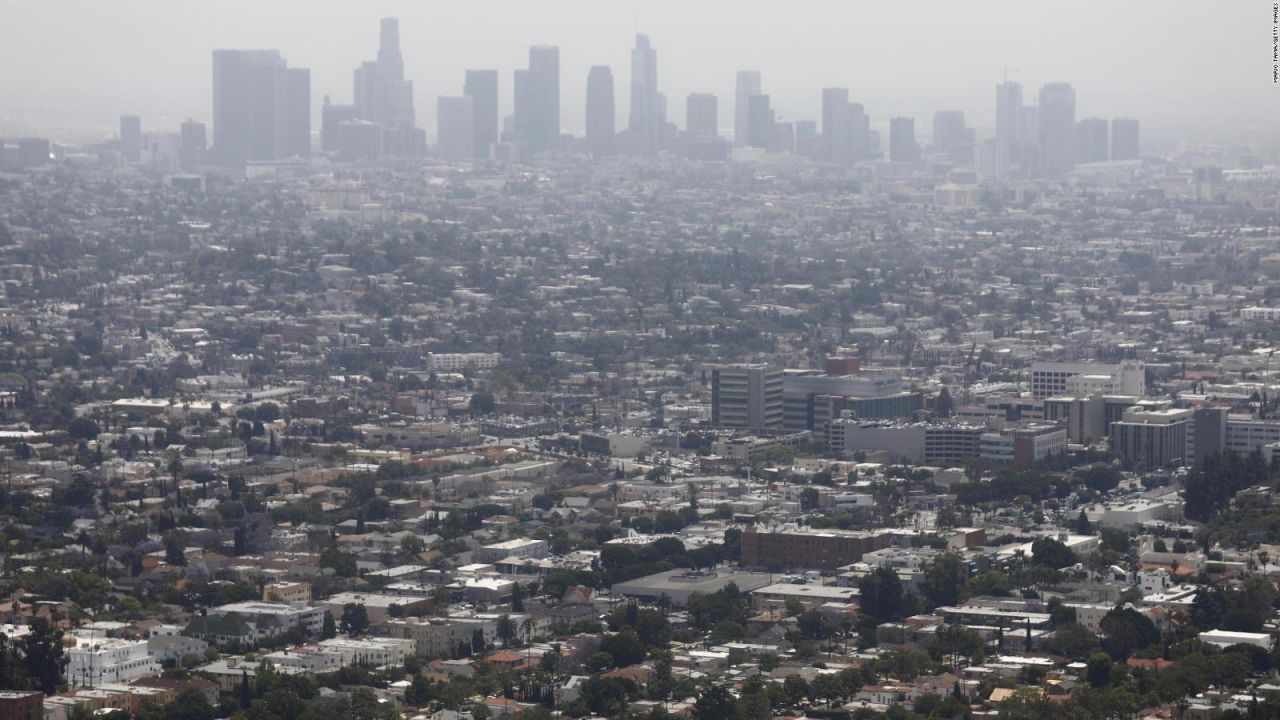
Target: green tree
[(944, 580), (482, 402), (715, 703), (881, 594), (355, 619), (44, 655)]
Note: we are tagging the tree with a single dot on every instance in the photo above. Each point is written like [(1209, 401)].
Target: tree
[(191, 704), (795, 688), (517, 599), (330, 629), (482, 402), (43, 655), (881, 594), (625, 648), (83, 428), (608, 696), (355, 619), (1082, 524), (506, 630), (944, 580), (715, 703), (1099, 670), (1127, 630), (1073, 641), (943, 404), (1052, 554)]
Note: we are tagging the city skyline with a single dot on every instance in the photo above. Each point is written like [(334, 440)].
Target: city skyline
[(887, 75)]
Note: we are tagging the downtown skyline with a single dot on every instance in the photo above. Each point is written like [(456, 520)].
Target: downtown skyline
[(700, 54)]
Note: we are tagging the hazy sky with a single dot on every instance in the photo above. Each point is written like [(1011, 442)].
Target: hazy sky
[(69, 68)]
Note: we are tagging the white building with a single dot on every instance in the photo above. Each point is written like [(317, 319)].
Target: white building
[(97, 660)]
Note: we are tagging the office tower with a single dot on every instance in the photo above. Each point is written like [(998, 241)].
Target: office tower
[(193, 143), (298, 115), (806, 133), (747, 85), (1091, 140), (761, 122), (261, 107), (360, 141), (837, 126), (364, 84), (537, 100), (455, 121), (1009, 119), (902, 140), (948, 130), (702, 116), (746, 396), (482, 87), (1057, 130), (860, 132), (381, 95), (330, 117), (1124, 139), (131, 138), (646, 123), (601, 124)]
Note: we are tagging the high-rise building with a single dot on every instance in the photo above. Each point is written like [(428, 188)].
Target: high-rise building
[(455, 121), (192, 147), (837, 126), (297, 142), (647, 119), (902, 140), (537, 100), (1057, 130), (746, 86), (1009, 126), (702, 116), (1124, 139), (761, 123), (1091, 140), (601, 122), (948, 130), (482, 87), (331, 116), (860, 129), (260, 107), (131, 138), (383, 96), (746, 396)]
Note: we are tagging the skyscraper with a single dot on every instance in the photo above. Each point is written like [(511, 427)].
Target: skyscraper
[(297, 127), (382, 95), (482, 87), (1057, 130), (1091, 140), (1124, 139), (331, 116), (702, 116), (537, 100), (131, 138), (260, 107), (746, 86), (837, 128), (902, 140), (601, 123), (860, 129), (952, 138), (761, 122), (192, 148), (455, 123), (645, 124), (1009, 119)]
